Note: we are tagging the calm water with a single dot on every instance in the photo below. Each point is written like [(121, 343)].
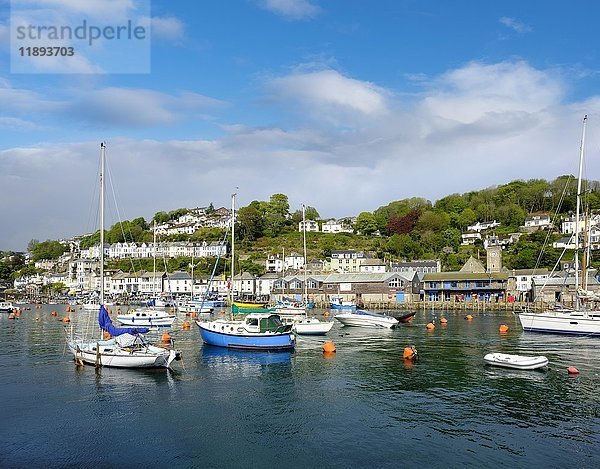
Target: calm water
[(363, 407)]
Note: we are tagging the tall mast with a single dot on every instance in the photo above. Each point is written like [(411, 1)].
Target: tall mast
[(305, 299), (103, 157), (154, 262), (232, 246), (577, 212)]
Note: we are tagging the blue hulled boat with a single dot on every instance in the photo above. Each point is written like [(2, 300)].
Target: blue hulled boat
[(257, 331)]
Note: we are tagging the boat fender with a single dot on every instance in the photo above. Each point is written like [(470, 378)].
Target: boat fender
[(410, 353), (329, 347)]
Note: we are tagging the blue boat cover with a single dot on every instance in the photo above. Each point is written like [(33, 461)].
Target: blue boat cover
[(107, 325)]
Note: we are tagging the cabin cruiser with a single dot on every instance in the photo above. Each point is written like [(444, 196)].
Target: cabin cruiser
[(363, 318)]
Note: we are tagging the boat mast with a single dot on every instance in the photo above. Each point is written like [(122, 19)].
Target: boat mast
[(232, 247), (305, 299), (102, 157), (154, 266), (577, 212)]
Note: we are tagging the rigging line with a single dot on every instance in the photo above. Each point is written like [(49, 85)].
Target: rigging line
[(554, 219), (119, 217)]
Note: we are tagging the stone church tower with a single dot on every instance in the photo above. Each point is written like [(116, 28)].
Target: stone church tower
[(494, 258)]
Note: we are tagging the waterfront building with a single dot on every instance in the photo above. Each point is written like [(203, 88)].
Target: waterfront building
[(373, 265), (471, 283)]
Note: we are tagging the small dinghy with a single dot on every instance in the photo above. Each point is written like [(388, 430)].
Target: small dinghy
[(519, 362)]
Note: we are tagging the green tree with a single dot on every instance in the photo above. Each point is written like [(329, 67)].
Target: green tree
[(366, 223), (47, 250), (251, 221), (276, 214)]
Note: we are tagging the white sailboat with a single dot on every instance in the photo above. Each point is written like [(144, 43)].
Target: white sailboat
[(148, 317), (127, 348), (303, 325), (580, 320)]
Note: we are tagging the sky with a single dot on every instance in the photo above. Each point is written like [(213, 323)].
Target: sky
[(342, 105)]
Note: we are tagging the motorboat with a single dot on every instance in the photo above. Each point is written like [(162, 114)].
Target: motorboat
[(146, 318), (195, 306), (519, 362), (364, 318), (304, 325), (338, 303), (311, 326), (7, 307), (407, 317), (256, 331)]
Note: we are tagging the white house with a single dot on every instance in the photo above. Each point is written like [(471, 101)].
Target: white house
[(568, 224), (524, 279), (480, 226), (311, 226), (336, 226), (178, 283), (538, 222), (274, 263), (376, 266), (470, 238)]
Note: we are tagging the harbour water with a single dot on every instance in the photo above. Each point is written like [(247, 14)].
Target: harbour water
[(362, 407)]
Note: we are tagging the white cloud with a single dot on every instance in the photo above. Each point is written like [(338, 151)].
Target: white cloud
[(329, 94), (291, 9), (470, 128), (476, 90), (515, 24)]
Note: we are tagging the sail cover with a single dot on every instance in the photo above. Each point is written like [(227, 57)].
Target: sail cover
[(107, 325)]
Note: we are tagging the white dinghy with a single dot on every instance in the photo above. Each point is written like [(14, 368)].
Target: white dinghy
[(519, 362)]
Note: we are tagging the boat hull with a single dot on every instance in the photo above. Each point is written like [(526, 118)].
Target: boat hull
[(517, 362), (572, 323), (111, 356), (131, 321), (260, 341), (355, 320), (312, 327)]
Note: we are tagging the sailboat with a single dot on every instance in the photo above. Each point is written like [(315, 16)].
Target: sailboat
[(580, 320), (304, 325), (256, 331), (127, 347), (148, 317)]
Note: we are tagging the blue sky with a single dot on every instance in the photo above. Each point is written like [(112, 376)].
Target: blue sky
[(341, 105)]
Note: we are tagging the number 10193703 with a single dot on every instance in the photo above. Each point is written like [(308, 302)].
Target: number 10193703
[(50, 51)]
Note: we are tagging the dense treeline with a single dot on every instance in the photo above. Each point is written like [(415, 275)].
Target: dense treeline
[(406, 229)]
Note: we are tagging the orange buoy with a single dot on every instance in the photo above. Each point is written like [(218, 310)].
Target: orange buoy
[(329, 347), (430, 326), (185, 326), (503, 328), (66, 319), (410, 353), (106, 335), (11, 316), (53, 313), (468, 317), (572, 370), (444, 321), (166, 337), (326, 313)]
